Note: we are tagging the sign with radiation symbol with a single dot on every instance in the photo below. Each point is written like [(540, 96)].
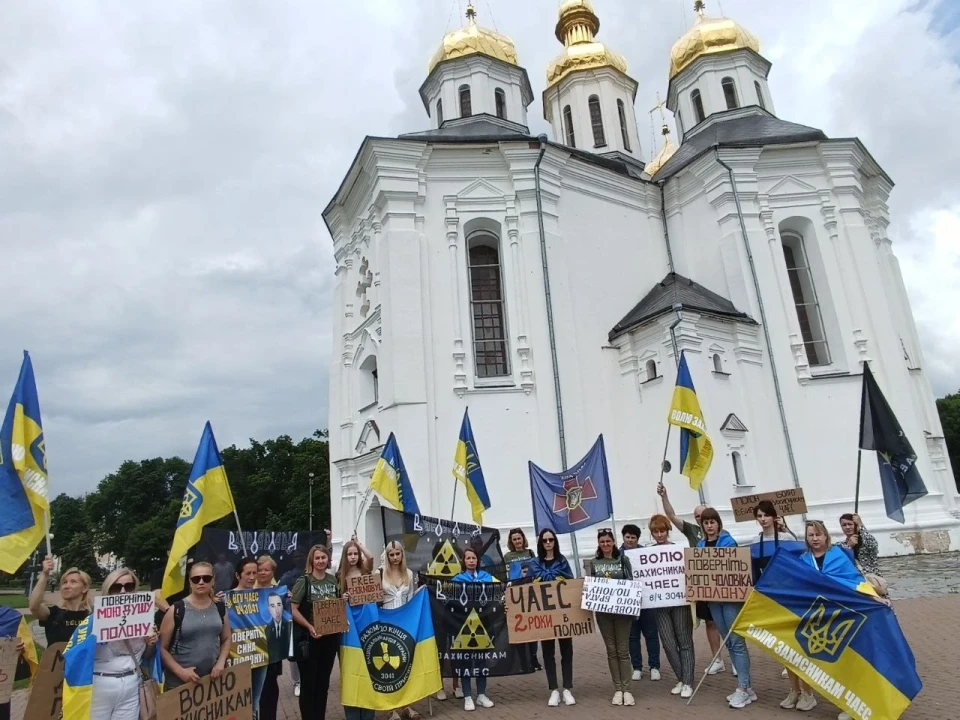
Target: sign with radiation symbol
[(446, 563), (473, 635)]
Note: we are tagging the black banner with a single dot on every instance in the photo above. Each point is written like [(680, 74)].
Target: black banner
[(471, 630), (434, 546), (287, 548)]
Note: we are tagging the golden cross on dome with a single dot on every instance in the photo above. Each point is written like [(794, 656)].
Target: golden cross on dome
[(699, 7), (471, 13), (659, 106)]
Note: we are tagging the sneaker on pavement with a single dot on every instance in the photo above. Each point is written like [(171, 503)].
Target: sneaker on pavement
[(394, 716), (468, 704), (716, 666), (741, 698), (617, 698), (677, 689), (628, 699), (654, 674), (637, 674), (568, 698), (296, 689), (844, 716), (440, 695), (554, 699), (484, 701), (806, 702), (749, 691), (687, 692), (790, 701), (784, 674), (458, 692)]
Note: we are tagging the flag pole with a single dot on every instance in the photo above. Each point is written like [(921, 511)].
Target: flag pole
[(453, 506), (663, 468), (46, 531), (856, 497), (864, 369), (363, 504), (243, 542)]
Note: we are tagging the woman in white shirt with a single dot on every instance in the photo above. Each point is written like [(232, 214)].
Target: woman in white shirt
[(399, 585), (116, 665)]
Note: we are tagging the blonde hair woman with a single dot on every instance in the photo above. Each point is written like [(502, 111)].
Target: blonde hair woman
[(116, 674), (59, 621), (399, 585)]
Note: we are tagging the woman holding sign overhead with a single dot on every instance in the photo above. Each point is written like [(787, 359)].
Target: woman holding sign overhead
[(548, 566), (614, 629)]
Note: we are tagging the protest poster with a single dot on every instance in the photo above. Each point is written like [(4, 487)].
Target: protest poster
[(787, 502), (661, 570), (46, 696), (365, 589), (715, 574), (518, 569), (546, 611), (620, 597), (123, 617), (228, 697), (8, 667), (259, 626), (470, 624), (330, 616)]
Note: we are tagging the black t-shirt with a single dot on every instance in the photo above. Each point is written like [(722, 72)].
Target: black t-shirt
[(60, 625), (820, 561)]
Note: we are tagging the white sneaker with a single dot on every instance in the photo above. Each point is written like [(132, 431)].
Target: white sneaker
[(784, 674), (458, 693), (484, 701), (637, 674), (790, 701), (617, 698), (687, 692), (677, 689), (716, 666), (628, 699), (440, 695), (394, 716), (741, 698), (654, 674), (296, 689), (468, 704), (554, 698), (568, 698), (844, 716), (806, 702)]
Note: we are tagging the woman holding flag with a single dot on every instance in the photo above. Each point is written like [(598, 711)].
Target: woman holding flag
[(59, 622), (399, 585)]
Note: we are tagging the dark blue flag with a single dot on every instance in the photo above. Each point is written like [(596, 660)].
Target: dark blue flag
[(572, 500)]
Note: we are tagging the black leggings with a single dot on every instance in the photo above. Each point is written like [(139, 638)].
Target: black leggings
[(270, 696), (315, 676), (566, 662)]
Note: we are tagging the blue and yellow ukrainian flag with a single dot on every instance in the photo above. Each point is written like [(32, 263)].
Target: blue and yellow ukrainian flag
[(391, 481), (843, 643), (23, 474), (14, 625), (206, 499), (403, 664), (696, 450), (466, 469), (78, 671)]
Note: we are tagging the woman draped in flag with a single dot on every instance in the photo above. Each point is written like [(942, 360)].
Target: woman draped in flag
[(59, 622), (550, 565), (473, 574), (14, 625), (399, 585)]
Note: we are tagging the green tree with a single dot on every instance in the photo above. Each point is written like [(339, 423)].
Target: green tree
[(949, 409), (68, 518), (79, 552)]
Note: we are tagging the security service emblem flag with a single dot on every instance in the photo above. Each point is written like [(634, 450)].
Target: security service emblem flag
[(571, 501), (575, 498)]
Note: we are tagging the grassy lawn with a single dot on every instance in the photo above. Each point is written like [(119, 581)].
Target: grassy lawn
[(16, 601)]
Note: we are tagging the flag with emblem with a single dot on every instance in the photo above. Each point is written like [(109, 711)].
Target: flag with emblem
[(466, 469), (78, 660), (575, 499), (206, 499), (696, 450), (23, 474), (845, 644), (388, 658), (391, 480), (880, 430)]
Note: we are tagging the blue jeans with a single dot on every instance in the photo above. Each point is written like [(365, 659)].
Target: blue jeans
[(353, 713), (258, 677), (645, 625), (724, 615), (466, 683)]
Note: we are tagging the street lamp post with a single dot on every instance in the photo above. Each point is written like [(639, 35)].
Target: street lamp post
[(310, 476)]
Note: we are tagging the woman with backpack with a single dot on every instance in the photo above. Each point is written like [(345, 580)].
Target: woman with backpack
[(195, 637)]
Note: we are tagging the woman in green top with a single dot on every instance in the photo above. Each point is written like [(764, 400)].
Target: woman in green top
[(614, 629), (520, 550), (314, 654)]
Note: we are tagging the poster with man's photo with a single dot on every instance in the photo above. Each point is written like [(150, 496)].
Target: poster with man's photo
[(260, 624)]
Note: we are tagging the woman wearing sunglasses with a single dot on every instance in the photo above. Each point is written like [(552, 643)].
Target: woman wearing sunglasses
[(614, 629), (201, 644), (116, 673)]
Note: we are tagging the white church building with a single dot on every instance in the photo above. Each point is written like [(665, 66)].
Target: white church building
[(542, 282)]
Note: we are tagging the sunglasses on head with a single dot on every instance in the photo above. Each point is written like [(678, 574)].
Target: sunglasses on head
[(207, 579), (122, 587)]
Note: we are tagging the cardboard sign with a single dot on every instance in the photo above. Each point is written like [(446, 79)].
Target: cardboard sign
[(123, 617), (330, 616), (8, 667), (365, 589), (620, 597), (716, 574), (546, 611), (230, 697), (787, 502), (46, 697), (661, 570)]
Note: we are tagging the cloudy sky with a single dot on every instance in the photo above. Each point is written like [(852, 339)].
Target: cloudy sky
[(164, 163)]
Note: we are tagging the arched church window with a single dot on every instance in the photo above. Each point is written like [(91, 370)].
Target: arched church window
[(651, 370), (805, 298), (466, 107), (487, 306), (439, 113), (738, 477), (568, 127), (717, 363), (596, 121), (760, 101), (697, 103), (730, 93), (368, 386), (500, 100), (624, 135)]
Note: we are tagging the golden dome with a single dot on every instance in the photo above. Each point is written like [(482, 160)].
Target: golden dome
[(709, 36), (576, 27), (474, 40), (666, 152)]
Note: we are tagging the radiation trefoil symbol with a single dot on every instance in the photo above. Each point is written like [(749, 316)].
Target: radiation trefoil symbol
[(571, 502), (385, 659), (473, 635), (445, 563)]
